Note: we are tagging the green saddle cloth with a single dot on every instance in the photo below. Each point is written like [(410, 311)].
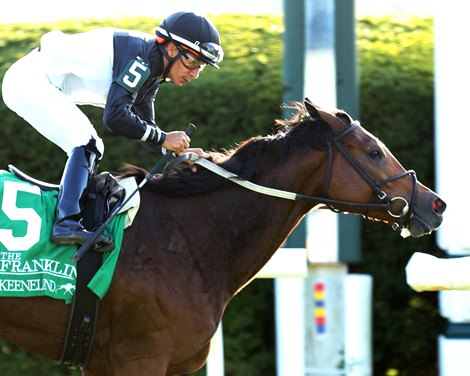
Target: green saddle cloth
[(30, 263)]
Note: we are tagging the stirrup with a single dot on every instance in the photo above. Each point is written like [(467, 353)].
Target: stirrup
[(103, 246), (69, 231)]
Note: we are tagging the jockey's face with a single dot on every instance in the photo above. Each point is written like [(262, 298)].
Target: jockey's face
[(179, 73)]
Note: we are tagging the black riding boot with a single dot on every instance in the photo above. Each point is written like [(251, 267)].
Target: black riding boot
[(68, 228)]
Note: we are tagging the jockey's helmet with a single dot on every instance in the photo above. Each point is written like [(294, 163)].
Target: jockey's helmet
[(194, 33)]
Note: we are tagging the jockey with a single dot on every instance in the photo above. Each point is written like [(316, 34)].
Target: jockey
[(119, 70)]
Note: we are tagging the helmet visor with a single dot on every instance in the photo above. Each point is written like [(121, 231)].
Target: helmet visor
[(212, 52)]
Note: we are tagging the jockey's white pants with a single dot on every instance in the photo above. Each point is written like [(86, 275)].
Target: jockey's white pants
[(26, 90)]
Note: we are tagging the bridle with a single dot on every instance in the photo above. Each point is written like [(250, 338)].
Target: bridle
[(380, 200), (385, 201)]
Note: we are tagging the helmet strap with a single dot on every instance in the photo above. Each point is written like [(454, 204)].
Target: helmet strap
[(171, 60)]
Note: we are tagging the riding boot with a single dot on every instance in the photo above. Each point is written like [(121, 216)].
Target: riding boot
[(68, 228)]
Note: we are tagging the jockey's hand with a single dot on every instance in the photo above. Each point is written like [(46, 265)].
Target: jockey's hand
[(201, 153), (198, 151), (176, 141)]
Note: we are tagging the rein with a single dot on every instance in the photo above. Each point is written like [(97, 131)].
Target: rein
[(334, 139)]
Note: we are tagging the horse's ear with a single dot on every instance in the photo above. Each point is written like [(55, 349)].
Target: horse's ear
[(312, 110)]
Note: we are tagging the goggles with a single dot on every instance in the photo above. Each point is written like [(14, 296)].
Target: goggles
[(190, 61)]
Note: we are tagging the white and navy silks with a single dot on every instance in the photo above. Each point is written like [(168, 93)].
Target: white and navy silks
[(106, 67)]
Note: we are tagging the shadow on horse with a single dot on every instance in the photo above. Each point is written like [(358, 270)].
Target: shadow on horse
[(198, 238)]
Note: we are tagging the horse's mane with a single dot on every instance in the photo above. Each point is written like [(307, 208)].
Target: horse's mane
[(248, 159)]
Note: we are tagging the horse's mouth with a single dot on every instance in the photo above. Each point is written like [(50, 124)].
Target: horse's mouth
[(419, 227), (420, 222), (424, 222)]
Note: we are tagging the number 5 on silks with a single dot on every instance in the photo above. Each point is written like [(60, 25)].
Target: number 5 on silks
[(134, 75), (14, 213)]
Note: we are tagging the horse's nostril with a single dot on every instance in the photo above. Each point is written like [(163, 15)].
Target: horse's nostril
[(439, 206)]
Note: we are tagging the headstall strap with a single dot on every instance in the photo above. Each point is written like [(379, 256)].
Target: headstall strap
[(406, 215)]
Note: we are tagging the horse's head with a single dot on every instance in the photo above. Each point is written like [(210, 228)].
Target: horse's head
[(360, 168)]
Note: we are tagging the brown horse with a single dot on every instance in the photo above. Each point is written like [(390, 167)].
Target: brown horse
[(198, 239)]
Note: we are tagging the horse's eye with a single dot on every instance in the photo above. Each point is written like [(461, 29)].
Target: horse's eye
[(375, 154)]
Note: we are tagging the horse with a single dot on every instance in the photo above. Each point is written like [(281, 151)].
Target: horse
[(199, 238)]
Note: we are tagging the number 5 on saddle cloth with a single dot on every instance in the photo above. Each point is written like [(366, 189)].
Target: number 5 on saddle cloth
[(103, 195)]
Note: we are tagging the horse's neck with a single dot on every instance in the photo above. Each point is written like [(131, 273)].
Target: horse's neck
[(263, 223), (249, 230)]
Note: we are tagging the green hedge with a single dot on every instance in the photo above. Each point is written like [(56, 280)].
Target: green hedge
[(242, 100)]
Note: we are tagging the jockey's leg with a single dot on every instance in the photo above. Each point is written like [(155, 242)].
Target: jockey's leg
[(80, 166), (28, 91)]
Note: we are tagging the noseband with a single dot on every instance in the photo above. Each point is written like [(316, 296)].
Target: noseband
[(385, 202)]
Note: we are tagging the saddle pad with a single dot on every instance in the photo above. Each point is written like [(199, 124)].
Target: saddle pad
[(132, 206), (30, 263)]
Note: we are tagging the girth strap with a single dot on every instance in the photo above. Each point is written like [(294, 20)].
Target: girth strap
[(83, 314)]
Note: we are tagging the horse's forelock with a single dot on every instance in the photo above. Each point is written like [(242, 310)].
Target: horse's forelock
[(298, 114)]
